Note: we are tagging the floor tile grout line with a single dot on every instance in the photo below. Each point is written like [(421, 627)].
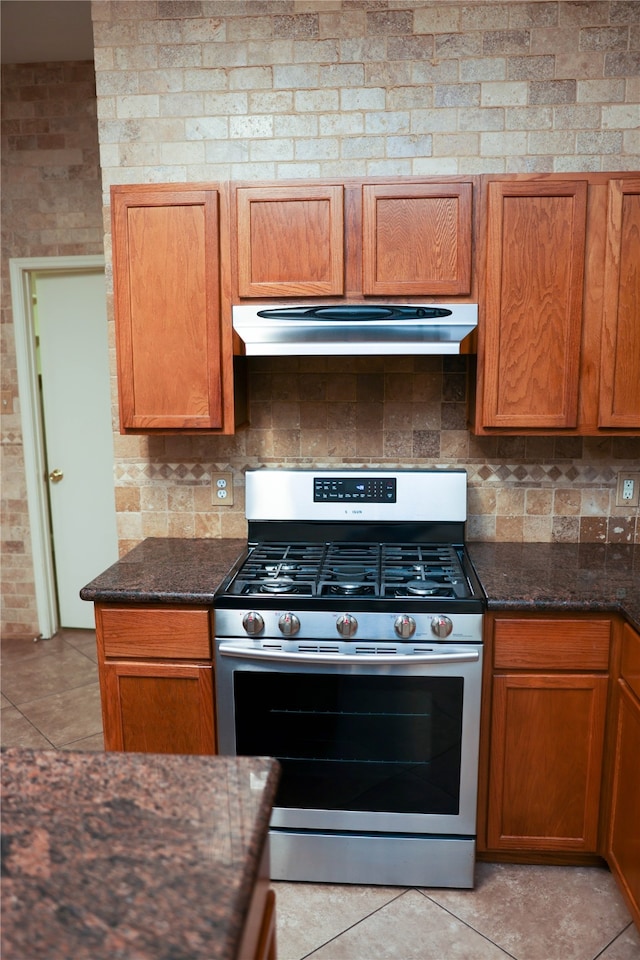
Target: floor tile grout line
[(7, 661), (469, 926), (612, 941), (36, 728), (351, 926), (48, 696)]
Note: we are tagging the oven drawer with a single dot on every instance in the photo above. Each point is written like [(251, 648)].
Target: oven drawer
[(544, 644), (177, 633)]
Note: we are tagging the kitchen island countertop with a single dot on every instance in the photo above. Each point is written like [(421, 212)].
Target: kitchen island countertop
[(561, 577), (113, 855)]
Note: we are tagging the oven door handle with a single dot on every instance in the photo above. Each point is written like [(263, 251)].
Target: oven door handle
[(280, 656)]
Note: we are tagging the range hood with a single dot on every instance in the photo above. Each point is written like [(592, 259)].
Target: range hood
[(354, 329)]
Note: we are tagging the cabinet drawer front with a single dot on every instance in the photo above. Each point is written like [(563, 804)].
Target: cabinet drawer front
[(155, 632), (630, 668), (551, 644)]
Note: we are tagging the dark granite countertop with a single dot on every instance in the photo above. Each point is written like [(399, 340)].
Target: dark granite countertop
[(561, 577), (532, 576), (167, 570), (109, 856)]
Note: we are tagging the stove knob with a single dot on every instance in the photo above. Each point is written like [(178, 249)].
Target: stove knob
[(346, 625), (405, 626), (253, 623), (289, 624), (441, 626)]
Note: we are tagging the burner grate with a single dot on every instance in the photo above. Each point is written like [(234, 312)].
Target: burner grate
[(365, 570)]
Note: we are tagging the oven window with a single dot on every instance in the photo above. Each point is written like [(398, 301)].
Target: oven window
[(374, 743)]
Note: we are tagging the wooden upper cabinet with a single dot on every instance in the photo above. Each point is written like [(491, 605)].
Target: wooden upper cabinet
[(533, 303), (620, 357), (290, 241), (175, 359), (416, 239)]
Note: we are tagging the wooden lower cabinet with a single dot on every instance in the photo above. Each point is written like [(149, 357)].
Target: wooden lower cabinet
[(156, 678), (544, 724), (623, 846), (546, 762), (158, 707)]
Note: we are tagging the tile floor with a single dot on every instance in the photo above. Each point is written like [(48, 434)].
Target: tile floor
[(50, 699)]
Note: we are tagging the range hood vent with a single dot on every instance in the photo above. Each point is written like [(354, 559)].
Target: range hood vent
[(354, 329)]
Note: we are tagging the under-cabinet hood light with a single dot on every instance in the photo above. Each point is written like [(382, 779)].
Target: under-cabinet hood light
[(354, 329)]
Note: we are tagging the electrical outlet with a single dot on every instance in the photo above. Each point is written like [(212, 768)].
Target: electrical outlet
[(628, 490), (222, 489)]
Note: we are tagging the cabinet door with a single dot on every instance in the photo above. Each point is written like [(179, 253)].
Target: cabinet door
[(175, 361), (623, 854), (546, 759), (416, 238), (533, 307), (620, 359), (623, 847), (290, 241), (158, 707)]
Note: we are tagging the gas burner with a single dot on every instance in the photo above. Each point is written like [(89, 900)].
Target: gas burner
[(278, 585), (345, 589), (423, 588), (350, 571)]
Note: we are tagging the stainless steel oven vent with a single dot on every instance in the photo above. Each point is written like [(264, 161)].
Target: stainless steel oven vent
[(365, 329)]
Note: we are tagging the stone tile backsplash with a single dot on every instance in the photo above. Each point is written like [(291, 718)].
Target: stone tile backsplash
[(394, 413)]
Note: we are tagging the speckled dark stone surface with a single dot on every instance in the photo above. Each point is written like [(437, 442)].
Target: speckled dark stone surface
[(563, 577), (109, 856), (167, 570), (538, 576)]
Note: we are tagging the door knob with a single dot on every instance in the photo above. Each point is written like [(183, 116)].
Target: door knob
[(56, 476)]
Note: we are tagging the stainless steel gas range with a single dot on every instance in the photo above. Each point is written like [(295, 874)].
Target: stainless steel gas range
[(349, 646)]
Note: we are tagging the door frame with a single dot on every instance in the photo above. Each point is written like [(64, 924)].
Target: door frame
[(20, 269)]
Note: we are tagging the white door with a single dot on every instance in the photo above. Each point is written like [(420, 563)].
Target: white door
[(71, 324)]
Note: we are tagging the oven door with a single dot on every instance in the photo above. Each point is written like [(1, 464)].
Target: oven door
[(380, 743)]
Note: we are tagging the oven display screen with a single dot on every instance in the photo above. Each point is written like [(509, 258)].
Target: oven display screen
[(363, 490)]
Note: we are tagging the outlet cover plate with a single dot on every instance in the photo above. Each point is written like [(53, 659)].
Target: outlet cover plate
[(222, 489), (624, 480)]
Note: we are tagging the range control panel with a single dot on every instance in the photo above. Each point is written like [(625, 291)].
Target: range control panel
[(363, 490)]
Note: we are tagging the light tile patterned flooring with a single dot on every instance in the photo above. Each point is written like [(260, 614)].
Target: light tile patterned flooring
[(50, 699)]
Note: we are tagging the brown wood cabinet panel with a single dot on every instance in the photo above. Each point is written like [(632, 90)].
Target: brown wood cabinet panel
[(533, 303), (620, 359), (158, 707), (175, 359), (259, 934), (417, 238), (630, 661), (153, 700), (290, 241), (154, 631), (623, 852), (547, 735), (267, 943), (551, 644)]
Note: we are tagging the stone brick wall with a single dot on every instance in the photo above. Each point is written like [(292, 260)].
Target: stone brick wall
[(51, 206), (224, 90)]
